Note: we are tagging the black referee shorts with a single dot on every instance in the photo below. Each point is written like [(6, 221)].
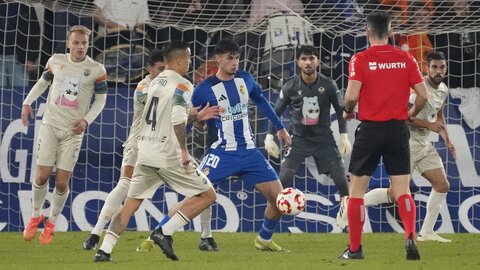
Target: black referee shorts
[(374, 140)]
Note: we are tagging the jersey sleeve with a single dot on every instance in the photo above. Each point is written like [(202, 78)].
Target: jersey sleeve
[(336, 99), (355, 71), (415, 77), (141, 90), (181, 101), (47, 74), (101, 81), (263, 104)]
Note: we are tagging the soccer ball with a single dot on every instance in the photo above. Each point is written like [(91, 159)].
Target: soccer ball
[(291, 201)]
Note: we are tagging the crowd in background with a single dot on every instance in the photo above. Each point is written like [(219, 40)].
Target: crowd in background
[(27, 41)]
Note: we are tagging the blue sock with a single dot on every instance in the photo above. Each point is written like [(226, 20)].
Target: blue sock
[(164, 220), (268, 227)]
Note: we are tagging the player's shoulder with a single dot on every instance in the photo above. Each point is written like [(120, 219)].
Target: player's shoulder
[(291, 83), (144, 83), (207, 83), (244, 75)]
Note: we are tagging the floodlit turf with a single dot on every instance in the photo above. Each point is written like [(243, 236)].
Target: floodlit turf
[(309, 251)]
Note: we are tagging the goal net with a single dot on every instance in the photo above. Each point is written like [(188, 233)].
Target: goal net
[(269, 33)]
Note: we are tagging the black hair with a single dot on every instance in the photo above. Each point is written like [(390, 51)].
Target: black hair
[(379, 24), (436, 55), (307, 50), (173, 47), (226, 46), (155, 56)]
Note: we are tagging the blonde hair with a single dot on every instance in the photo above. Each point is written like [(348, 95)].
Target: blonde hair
[(79, 28)]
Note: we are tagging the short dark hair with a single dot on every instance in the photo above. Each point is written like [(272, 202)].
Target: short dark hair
[(155, 55), (226, 46), (436, 55), (172, 47), (378, 23), (307, 50)]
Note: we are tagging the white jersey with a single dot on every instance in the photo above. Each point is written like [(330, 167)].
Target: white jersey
[(139, 100), (72, 87), (168, 101), (436, 99)]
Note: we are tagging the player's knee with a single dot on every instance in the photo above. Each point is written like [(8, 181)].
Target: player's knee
[(210, 195), (442, 187)]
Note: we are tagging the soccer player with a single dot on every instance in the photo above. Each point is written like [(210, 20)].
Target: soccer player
[(423, 156), (74, 79), (234, 153), (163, 156), (380, 79), (115, 198), (309, 96)]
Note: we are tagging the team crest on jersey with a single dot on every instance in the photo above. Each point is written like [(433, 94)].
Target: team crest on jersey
[(86, 72), (321, 90), (242, 89), (206, 171)]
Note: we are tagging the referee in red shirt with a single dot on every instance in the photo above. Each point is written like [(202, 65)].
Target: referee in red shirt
[(380, 79)]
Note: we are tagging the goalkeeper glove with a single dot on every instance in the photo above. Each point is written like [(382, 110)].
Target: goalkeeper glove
[(345, 145), (271, 146)]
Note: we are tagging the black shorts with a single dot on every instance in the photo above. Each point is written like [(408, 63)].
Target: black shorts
[(374, 140)]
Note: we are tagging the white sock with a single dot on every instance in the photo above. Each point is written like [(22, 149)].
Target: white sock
[(114, 200), (376, 196), (38, 198), (434, 204), (177, 221), (109, 242), (206, 221), (58, 202)]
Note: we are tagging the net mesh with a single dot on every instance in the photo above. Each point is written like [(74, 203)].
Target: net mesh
[(268, 32)]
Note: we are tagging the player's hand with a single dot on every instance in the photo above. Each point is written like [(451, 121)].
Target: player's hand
[(348, 116), (208, 112), (452, 149), (26, 112), (284, 137), (345, 145), (186, 158), (436, 127), (271, 146), (80, 126)]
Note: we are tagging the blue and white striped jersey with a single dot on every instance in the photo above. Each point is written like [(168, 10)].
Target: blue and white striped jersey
[(234, 132)]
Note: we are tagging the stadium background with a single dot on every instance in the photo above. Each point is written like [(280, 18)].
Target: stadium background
[(336, 29)]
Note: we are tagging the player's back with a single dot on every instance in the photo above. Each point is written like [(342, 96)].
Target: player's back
[(157, 144), (387, 73)]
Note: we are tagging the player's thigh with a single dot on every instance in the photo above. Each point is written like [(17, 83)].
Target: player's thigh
[(256, 169), (396, 155), (218, 166), (367, 149), (68, 150), (295, 155), (430, 161), (145, 182), (328, 159), (186, 180), (47, 146), (130, 154)]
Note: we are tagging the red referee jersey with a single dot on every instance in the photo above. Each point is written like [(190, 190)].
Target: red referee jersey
[(387, 73)]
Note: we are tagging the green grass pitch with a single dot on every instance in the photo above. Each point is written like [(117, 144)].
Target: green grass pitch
[(309, 251)]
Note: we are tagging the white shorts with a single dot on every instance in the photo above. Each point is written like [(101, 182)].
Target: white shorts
[(424, 158), (57, 147), (130, 155), (187, 181)]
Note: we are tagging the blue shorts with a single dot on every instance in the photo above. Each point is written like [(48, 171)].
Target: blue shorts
[(248, 164)]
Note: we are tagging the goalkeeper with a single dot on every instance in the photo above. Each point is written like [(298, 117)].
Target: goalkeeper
[(309, 96)]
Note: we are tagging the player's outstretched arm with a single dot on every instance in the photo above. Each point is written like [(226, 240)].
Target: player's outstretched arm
[(206, 113)]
